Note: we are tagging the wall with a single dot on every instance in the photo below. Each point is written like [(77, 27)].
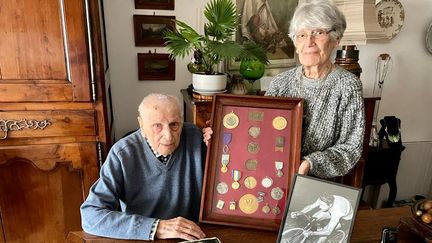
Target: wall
[(406, 93)]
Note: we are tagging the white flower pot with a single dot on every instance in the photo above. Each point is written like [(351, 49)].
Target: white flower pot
[(209, 83)]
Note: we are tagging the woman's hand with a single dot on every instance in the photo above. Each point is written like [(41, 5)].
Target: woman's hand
[(179, 228), (207, 132), (304, 167)]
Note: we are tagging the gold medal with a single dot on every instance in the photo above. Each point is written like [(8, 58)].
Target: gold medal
[(224, 169), (236, 175), (230, 120), (279, 123), (250, 182), (235, 185), (248, 204)]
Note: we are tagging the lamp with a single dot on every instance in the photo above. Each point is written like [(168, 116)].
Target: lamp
[(362, 27)]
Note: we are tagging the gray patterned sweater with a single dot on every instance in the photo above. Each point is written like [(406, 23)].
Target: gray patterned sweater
[(333, 118)]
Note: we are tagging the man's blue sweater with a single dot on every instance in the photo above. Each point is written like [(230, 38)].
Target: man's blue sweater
[(135, 188)]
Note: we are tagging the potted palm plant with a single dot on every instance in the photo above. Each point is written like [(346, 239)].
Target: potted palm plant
[(212, 47)]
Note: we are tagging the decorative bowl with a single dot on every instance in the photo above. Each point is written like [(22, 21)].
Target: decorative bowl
[(421, 226)]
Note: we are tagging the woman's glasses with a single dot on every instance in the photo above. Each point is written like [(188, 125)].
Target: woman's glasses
[(315, 34)]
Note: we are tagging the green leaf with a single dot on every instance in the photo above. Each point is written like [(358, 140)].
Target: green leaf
[(222, 17)]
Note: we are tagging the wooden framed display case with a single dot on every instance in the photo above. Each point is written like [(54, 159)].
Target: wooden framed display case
[(253, 156)]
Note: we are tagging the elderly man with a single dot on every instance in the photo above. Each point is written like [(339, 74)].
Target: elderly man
[(150, 183)]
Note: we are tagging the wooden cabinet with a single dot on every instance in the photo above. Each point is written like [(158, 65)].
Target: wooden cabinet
[(53, 129), (198, 111)]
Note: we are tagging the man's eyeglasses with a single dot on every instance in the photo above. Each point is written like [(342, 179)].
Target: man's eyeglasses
[(315, 34)]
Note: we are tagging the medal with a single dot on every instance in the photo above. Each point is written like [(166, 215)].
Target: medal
[(256, 116), (226, 140), (279, 166), (251, 164), (279, 123), (253, 147), (276, 210), (248, 204), (280, 142), (266, 209), (250, 182), (232, 205), (224, 161), (222, 188), (236, 175), (277, 193), (230, 120), (220, 204), (267, 182), (254, 131)]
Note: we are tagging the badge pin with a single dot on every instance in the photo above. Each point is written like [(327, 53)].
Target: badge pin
[(220, 204)]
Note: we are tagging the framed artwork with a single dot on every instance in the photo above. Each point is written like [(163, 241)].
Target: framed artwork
[(154, 4), (267, 22), (155, 66), (319, 211), (149, 29), (251, 160)]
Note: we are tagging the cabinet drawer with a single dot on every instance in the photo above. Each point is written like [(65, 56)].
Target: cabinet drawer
[(44, 123)]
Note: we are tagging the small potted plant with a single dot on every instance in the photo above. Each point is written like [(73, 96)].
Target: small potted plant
[(212, 47)]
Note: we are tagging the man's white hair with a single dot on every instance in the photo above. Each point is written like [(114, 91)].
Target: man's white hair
[(142, 108)]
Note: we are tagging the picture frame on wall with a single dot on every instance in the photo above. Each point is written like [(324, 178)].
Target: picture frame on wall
[(155, 66), (155, 4), (149, 29), (253, 155), (319, 211), (267, 24)]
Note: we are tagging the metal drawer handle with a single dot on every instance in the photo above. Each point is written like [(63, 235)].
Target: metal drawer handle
[(17, 125)]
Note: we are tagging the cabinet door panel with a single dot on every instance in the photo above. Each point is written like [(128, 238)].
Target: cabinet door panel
[(43, 53), (42, 188), (58, 123)]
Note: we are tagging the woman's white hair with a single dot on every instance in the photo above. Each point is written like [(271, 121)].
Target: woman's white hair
[(142, 108), (318, 14)]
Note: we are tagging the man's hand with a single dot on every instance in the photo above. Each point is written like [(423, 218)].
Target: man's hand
[(304, 167), (207, 132), (179, 228)]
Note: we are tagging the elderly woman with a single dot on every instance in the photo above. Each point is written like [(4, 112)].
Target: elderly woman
[(333, 116)]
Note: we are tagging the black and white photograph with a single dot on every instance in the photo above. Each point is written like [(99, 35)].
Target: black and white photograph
[(319, 211)]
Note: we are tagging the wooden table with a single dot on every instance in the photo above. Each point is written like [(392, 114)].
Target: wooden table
[(367, 228)]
